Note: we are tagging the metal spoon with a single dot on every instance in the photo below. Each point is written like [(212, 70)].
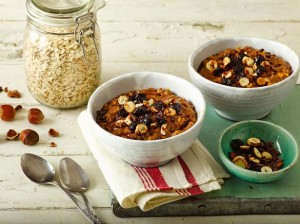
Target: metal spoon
[(76, 180), (41, 171)]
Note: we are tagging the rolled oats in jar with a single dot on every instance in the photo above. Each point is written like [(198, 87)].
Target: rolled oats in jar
[(62, 51)]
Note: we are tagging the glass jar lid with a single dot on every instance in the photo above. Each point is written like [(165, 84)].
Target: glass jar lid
[(59, 12), (61, 6)]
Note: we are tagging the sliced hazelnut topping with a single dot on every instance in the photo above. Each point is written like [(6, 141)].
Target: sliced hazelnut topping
[(261, 81), (245, 147), (248, 61), (253, 159), (268, 81), (129, 106), (253, 141), (169, 112), (248, 71), (226, 61), (266, 169), (168, 101), (244, 81), (226, 74), (53, 133), (12, 135), (257, 152), (266, 155), (254, 66), (141, 128), (163, 129), (119, 123), (139, 104), (127, 120), (13, 94), (211, 65), (265, 63), (260, 155), (148, 103), (153, 125), (240, 161), (122, 100)]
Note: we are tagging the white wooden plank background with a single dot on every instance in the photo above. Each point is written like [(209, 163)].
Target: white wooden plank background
[(157, 35)]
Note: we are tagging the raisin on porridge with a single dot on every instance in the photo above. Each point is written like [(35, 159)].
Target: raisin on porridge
[(147, 114), (245, 67)]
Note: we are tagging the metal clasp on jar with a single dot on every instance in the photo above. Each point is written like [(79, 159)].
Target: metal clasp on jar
[(79, 33)]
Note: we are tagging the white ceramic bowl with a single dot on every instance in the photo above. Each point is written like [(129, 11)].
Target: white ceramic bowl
[(243, 103), (154, 152)]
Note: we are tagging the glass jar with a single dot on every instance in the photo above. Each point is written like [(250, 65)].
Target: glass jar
[(62, 51)]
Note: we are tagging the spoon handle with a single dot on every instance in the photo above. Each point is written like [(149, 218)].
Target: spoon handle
[(96, 219), (81, 206)]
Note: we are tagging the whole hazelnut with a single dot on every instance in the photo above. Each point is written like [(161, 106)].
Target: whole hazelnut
[(35, 116), (29, 137), (7, 112)]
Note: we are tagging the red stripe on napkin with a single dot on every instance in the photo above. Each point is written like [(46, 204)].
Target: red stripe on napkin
[(157, 178), (152, 179), (145, 180), (182, 192), (190, 177)]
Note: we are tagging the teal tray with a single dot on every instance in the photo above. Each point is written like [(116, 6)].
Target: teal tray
[(238, 196)]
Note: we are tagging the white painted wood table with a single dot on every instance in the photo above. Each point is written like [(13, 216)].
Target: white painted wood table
[(137, 35)]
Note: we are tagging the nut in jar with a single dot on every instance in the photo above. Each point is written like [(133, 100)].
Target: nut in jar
[(62, 51)]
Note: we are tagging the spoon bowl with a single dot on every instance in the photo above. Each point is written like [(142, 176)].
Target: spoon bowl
[(76, 180), (73, 176), (37, 169), (41, 171)]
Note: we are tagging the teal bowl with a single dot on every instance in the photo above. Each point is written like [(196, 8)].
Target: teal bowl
[(282, 140)]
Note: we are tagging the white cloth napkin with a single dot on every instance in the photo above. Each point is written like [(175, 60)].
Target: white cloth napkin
[(192, 173)]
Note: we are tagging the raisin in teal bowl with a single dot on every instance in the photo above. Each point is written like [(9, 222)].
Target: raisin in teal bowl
[(283, 141)]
